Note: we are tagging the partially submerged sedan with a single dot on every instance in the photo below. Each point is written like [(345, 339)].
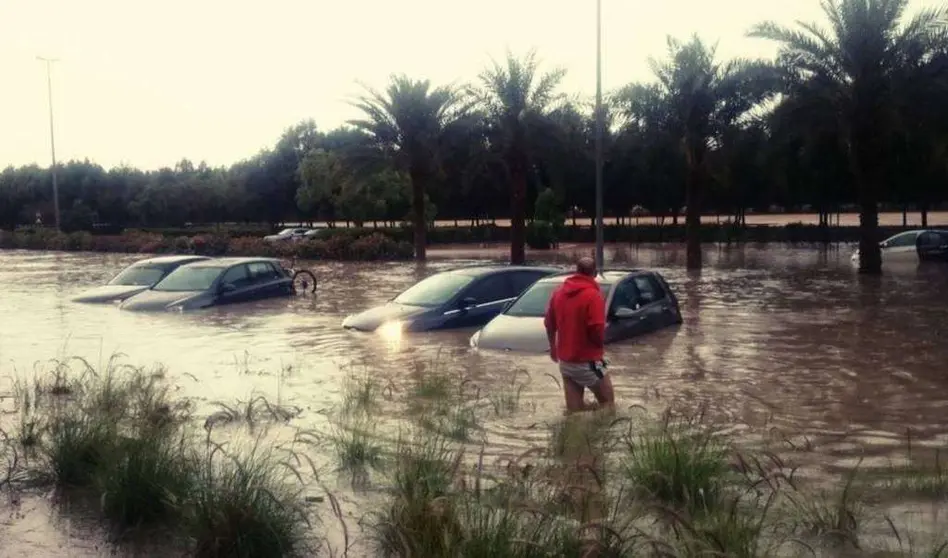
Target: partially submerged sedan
[(637, 302), (140, 276), (215, 282), (465, 297)]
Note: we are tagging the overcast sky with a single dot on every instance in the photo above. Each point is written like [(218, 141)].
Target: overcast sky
[(148, 83)]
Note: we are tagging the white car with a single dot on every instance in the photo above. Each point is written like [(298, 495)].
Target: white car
[(898, 248), (286, 235)]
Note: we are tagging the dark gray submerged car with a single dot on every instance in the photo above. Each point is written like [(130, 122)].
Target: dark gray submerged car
[(140, 276), (458, 298), (637, 302), (215, 282)]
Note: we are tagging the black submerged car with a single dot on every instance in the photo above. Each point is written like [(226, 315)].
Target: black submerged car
[(637, 302), (140, 276), (215, 282), (466, 297)]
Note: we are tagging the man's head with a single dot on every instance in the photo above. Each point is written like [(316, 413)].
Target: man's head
[(586, 266)]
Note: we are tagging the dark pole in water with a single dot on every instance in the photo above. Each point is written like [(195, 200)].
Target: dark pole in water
[(599, 126)]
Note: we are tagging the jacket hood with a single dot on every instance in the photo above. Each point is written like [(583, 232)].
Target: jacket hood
[(575, 284)]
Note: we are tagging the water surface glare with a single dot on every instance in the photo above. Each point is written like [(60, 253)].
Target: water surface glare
[(791, 337)]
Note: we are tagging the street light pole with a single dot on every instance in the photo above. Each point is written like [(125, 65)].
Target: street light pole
[(52, 139), (599, 125)]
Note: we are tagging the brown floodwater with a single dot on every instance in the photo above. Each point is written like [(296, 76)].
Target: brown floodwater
[(787, 337)]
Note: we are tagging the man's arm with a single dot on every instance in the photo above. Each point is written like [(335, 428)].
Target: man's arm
[(596, 320), (549, 321)]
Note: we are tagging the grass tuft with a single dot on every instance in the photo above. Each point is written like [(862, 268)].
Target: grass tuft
[(147, 482), (246, 506), (677, 465)]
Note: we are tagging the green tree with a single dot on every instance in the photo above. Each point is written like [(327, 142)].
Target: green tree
[(517, 100), (847, 75), (407, 124), (323, 180)]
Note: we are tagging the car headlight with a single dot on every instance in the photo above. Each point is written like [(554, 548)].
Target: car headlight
[(392, 330)]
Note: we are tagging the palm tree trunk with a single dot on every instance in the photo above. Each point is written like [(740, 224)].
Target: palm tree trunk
[(418, 213), (870, 256), (518, 195)]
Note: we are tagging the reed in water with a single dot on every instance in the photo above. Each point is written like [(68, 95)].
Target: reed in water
[(667, 480)]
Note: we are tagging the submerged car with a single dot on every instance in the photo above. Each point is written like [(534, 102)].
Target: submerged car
[(637, 302), (215, 282), (294, 234), (466, 297), (901, 247), (140, 276)]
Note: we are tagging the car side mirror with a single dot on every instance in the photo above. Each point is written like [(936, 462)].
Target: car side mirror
[(227, 288), (468, 302)]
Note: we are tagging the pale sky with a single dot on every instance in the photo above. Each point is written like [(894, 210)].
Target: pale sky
[(148, 83)]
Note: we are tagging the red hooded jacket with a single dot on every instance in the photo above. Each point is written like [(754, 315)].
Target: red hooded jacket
[(577, 315)]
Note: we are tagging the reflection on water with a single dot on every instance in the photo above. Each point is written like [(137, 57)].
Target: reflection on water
[(789, 337)]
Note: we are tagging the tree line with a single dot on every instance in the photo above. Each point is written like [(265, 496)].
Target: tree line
[(850, 112)]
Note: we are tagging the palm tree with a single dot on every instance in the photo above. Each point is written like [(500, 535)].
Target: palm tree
[(516, 99), (849, 73), (407, 124), (695, 101)]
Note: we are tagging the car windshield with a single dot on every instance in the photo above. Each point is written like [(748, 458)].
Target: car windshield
[(533, 303), (434, 290), (139, 276), (286, 232), (189, 278)]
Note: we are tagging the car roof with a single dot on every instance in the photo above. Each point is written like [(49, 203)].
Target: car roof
[(176, 259), (228, 262), (481, 270), (606, 277)]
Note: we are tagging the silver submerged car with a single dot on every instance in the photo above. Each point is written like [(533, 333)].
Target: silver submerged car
[(637, 302), (140, 276)]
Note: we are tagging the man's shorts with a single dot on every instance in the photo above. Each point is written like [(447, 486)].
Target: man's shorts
[(586, 374)]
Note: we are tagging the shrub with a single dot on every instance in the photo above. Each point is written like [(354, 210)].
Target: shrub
[(540, 235)]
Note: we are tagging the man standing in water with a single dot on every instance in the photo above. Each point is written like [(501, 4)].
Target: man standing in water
[(575, 326)]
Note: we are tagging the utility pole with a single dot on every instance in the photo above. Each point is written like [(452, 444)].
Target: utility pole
[(52, 138), (600, 259)]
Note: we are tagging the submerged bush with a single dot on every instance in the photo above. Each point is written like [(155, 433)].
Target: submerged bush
[(375, 246)]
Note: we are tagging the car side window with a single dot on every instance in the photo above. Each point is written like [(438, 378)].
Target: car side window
[(932, 239), (906, 239), (649, 289), (520, 280), (626, 295), (261, 272), (238, 276), (490, 289)]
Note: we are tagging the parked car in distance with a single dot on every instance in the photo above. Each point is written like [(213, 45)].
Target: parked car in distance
[(901, 247), (465, 297), (138, 277), (287, 235), (932, 246), (637, 302), (215, 282)]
